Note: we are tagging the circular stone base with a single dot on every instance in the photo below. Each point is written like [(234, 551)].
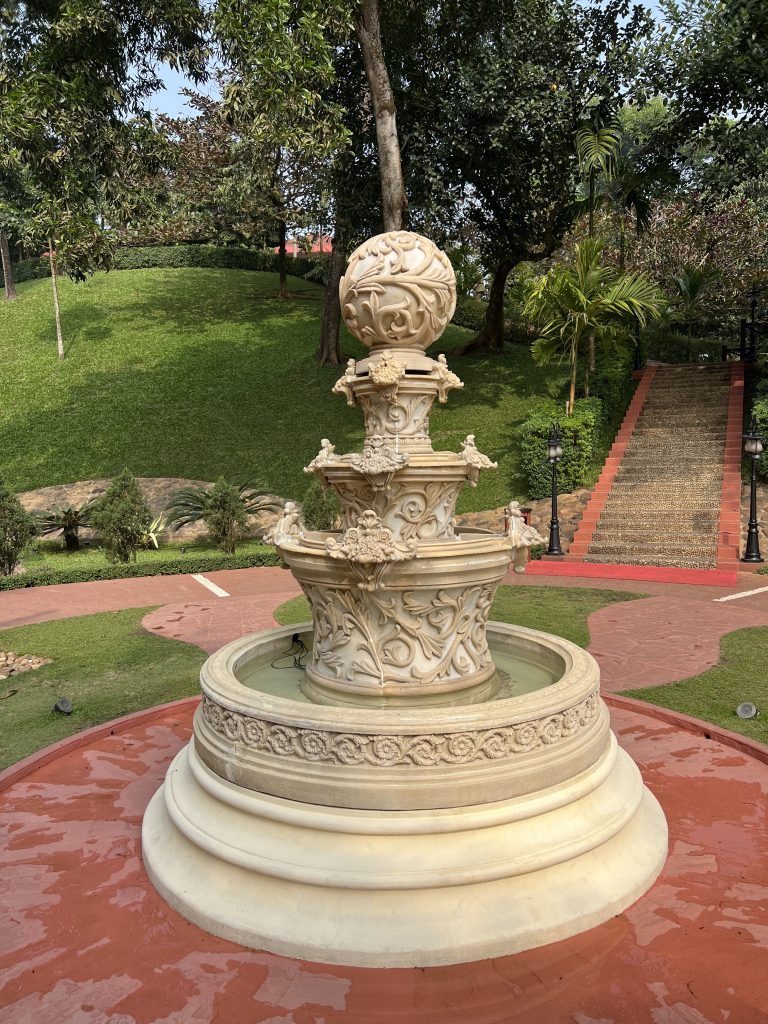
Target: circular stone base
[(403, 888)]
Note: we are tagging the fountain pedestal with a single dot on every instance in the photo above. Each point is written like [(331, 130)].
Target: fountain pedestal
[(435, 788)]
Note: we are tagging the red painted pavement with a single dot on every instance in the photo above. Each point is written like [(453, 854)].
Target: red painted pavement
[(85, 939)]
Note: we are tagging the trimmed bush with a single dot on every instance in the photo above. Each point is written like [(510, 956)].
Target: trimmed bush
[(613, 384), (760, 412), (583, 446), (470, 313), (320, 507), (124, 570), (17, 528), (122, 518), (213, 257)]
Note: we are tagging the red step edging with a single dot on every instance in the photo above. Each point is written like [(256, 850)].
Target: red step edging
[(642, 573), (729, 527), (586, 528)]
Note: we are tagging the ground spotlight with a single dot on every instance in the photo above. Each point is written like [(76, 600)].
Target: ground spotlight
[(63, 705), (747, 710)]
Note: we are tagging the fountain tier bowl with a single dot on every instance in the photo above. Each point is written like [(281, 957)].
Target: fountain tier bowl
[(399, 836)]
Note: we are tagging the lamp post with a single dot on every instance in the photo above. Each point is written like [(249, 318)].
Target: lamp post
[(753, 446), (554, 454)]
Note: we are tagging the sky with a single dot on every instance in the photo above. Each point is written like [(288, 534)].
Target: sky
[(169, 100)]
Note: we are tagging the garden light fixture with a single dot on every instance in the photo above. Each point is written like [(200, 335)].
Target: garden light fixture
[(554, 455), (753, 446)]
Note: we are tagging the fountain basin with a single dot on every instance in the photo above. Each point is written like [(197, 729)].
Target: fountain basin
[(390, 836)]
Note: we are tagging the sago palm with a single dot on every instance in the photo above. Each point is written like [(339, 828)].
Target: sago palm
[(224, 508), (588, 303)]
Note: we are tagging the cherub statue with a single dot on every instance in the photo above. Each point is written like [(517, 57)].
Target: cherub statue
[(290, 524), (326, 454), (521, 535), (474, 459), (343, 384), (447, 379)]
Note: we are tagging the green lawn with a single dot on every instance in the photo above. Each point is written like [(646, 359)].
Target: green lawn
[(197, 373), (715, 694), (106, 664), (555, 610)]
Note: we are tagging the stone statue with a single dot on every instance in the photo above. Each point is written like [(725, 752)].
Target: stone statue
[(290, 524), (521, 535), (474, 459), (326, 454), (343, 385), (386, 374), (448, 380)]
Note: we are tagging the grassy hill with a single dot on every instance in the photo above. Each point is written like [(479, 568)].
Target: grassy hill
[(198, 373)]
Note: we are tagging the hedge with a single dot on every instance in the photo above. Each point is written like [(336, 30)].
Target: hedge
[(760, 412), (582, 440), (171, 567), (469, 313), (613, 384), (213, 257)]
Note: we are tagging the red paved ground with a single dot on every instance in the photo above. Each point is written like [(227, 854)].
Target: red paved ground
[(85, 939)]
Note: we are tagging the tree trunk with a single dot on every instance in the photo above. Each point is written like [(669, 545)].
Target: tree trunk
[(591, 202), (491, 335), (282, 260), (592, 353), (5, 254), (572, 395), (393, 198), (329, 350), (622, 239), (56, 307)]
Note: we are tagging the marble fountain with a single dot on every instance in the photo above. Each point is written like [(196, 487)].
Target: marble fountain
[(430, 787)]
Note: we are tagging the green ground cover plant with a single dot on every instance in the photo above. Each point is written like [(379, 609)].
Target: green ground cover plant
[(202, 373), (106, 664), (714, 695), (46, 563)]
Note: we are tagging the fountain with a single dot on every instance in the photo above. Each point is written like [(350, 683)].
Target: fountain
[(431, 787)]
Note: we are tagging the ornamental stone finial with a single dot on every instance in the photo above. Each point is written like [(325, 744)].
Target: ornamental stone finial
[(399, 290), (521, 535), (474, 459)]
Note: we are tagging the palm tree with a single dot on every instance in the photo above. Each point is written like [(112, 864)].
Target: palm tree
[(690, 286), (587, 303), (70, 519), (224, 508), (596, 149)]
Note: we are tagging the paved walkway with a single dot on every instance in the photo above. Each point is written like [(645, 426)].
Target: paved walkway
[(673, 634), (86, 939)]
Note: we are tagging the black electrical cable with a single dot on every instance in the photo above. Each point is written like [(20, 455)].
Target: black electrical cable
[(297, 652)]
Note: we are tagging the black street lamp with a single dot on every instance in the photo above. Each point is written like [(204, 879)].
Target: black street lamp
[(554, 454), (753, 446)]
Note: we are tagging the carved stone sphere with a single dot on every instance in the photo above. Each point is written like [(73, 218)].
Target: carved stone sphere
[(399, 291)]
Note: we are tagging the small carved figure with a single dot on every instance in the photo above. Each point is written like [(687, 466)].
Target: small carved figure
[(343, 385), (370, 548), (387, 374), (290, 524), (326, 454), (447, 379), (474, 459), (521, 535)]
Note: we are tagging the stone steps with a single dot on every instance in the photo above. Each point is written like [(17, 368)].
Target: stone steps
[(666, 480)]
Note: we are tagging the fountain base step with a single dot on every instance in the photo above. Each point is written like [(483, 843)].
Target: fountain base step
[(403, 888)]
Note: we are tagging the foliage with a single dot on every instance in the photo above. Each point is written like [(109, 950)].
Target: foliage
[(588, 304), (613, 384), (168, 561), (728, 239), (154, 532), (224, 508), (320, 507), (470, 313), (760, 412), (73, 80), (106, 664), (583, 446), (69, 519), (121, 518), (190, 373), (17, 528)]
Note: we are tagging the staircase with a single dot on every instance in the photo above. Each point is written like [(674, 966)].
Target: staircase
[(668, 494)]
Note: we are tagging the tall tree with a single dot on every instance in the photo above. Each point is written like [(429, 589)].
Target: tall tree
[(73, 80)]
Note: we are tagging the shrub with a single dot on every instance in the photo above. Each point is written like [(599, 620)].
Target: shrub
[(118, 571), (70, 519), (122, 518), (760, 412), (320, 507), (613, 384), (224, 508), (469, 313), (583, 446), (17, 528)]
